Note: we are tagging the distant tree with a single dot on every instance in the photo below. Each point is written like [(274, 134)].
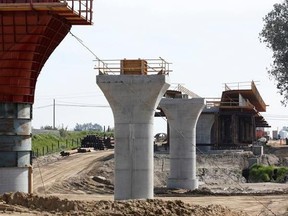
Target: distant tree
[(110, 129), (275, 35), (285, 128), (63, 131), (47, 127), (88, 127)]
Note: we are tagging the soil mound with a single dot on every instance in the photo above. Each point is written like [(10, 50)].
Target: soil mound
[(51, 205)]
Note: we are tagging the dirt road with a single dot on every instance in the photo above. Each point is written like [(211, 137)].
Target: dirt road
[(254, 206), (50, 178)]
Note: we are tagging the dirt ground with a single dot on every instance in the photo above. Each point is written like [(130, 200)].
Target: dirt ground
[(82, 184)]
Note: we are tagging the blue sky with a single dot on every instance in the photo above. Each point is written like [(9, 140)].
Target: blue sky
[(209, 43)]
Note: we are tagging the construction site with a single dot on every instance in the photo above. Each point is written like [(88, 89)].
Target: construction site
[(200, 166)]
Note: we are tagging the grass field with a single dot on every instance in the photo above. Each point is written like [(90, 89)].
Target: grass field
[(54, 141)]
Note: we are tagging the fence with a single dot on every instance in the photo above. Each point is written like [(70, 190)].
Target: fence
[(56, 147)]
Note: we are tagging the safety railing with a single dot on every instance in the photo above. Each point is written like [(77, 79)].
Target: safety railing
[(239, 85), (185, 93), (82, 7), (133, 66), (79, 8), (213, 102), (216, 102)]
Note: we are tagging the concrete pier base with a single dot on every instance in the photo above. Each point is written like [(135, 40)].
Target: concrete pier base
[(133, 99), (15, 147), (182, 115), (190, 184), (14, 179)]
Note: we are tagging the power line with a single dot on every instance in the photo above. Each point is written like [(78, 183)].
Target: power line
[(277, 119), (73, 105), (83, 105), (41, 107), (70, 95), (276, 115)]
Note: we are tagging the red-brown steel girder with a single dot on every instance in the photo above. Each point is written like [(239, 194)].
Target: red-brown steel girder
[(27, 39)]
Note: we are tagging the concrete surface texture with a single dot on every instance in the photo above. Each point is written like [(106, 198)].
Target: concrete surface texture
[(203, 130), (15, 147), (133, 99), (182, 115)]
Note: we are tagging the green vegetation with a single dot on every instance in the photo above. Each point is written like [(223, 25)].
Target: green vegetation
[(261, 173), (274, 34), (56, 141)]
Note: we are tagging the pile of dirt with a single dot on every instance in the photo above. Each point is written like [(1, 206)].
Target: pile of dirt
[(51, 205)]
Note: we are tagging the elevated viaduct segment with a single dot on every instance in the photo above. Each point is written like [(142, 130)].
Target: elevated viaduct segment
[(30, 30), (237, 116)]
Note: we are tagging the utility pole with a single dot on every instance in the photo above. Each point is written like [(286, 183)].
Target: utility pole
[(53, 114)]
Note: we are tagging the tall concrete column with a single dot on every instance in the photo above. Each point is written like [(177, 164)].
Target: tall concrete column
[(133, 99), (15, 147), (182, 115), (30, 32), (203, 130)]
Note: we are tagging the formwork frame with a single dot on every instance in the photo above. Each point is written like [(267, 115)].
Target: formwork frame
[(30, 31), (77, 12)]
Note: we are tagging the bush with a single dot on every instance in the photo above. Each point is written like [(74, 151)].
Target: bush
[(264, 177), (261, 173), (258, 173), (282, 172)]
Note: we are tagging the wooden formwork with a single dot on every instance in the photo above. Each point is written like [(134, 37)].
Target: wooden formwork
[(134, 67)]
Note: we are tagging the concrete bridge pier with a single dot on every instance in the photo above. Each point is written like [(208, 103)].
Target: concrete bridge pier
[(182, 115), (133, 99)]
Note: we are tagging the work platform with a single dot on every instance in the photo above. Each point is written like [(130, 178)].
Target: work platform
[(76, 12), (241, 97), (133, 67)]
